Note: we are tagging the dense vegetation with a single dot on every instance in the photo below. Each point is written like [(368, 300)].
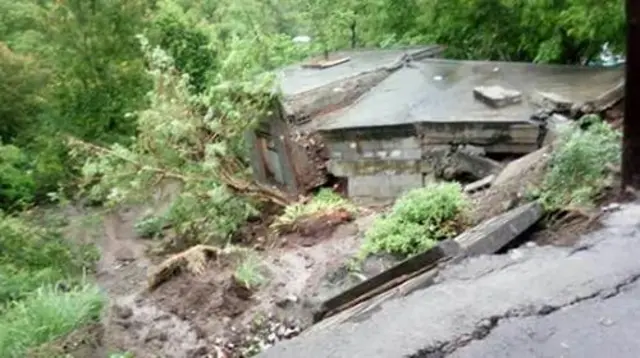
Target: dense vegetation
[(115, 96)]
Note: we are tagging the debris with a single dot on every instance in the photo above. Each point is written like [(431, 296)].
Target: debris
[(479, 184), (322, 63), (552, 102), (612, 207), (193, 260), (497, 96), (521, 165)]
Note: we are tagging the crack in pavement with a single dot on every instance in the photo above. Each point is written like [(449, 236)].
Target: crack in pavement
[(487, 325)]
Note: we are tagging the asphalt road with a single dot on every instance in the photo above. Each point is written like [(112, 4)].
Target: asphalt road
[(577, 302)]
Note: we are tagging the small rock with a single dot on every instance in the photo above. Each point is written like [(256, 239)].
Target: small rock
[(122, 323), (497, 96), (612, 207), (287, 301), (281, 331), (197, 352), (516, 254), (123, 312), (531, 244), (272, 338), (291, 332), (606, 322), (156, 334)]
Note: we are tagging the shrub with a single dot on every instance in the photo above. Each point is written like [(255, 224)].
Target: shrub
[(47, 314), (578, 167), (32, 256), (16, 182), (417, 221), (150, 226), (248, 272)]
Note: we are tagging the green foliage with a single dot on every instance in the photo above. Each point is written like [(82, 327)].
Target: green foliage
[(578, 169), (248, 272), (150, 226), (32, 256), (20, 90), (122, 355), (47, 314), (417, 221), (196, 141), (189, 44), (17, 185), (568, 31)]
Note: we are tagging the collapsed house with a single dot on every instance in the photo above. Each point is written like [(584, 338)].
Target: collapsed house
[(389, 121)]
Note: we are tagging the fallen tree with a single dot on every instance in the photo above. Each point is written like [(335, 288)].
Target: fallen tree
[(196, 141)]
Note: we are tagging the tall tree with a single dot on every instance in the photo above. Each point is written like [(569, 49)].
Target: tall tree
[(631, 131)]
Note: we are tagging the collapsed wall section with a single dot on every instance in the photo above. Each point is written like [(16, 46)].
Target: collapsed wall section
[(384, 162)]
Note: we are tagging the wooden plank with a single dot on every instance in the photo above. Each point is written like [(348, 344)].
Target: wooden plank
[(387, 279), (492, 235)]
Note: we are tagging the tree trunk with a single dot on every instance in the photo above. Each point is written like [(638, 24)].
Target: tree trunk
[(354, 35), (631, 131)]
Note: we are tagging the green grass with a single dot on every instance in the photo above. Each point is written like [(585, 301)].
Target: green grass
[(45, 315), (249, 272)]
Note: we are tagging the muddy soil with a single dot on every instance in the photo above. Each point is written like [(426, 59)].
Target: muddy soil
[(211, 315)]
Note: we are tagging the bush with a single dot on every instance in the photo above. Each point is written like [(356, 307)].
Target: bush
[(150, 226), (32, 256), (417, 221), (578, 168), (16, 182), (45, 315)]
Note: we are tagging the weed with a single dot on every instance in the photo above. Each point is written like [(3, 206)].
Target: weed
[(324, 203), (417, 221), (578, 168), (121, 355), (46, 314), (248, 272)]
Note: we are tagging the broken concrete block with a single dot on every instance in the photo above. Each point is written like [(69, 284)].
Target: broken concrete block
[(521, 165), (552, 102), (492, 235), (497, 96), (556, 123)]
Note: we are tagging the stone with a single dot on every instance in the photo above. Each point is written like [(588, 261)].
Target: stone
[(497, 96), (122, 312)]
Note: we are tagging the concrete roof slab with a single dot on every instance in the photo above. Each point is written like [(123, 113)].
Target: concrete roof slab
[(435, 90), (296, 79)]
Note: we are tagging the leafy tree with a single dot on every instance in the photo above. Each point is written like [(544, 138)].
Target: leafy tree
[(99, 71), (566, 31), (20, 93)]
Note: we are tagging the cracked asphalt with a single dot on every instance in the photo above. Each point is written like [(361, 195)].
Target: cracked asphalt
[(532, 302)]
